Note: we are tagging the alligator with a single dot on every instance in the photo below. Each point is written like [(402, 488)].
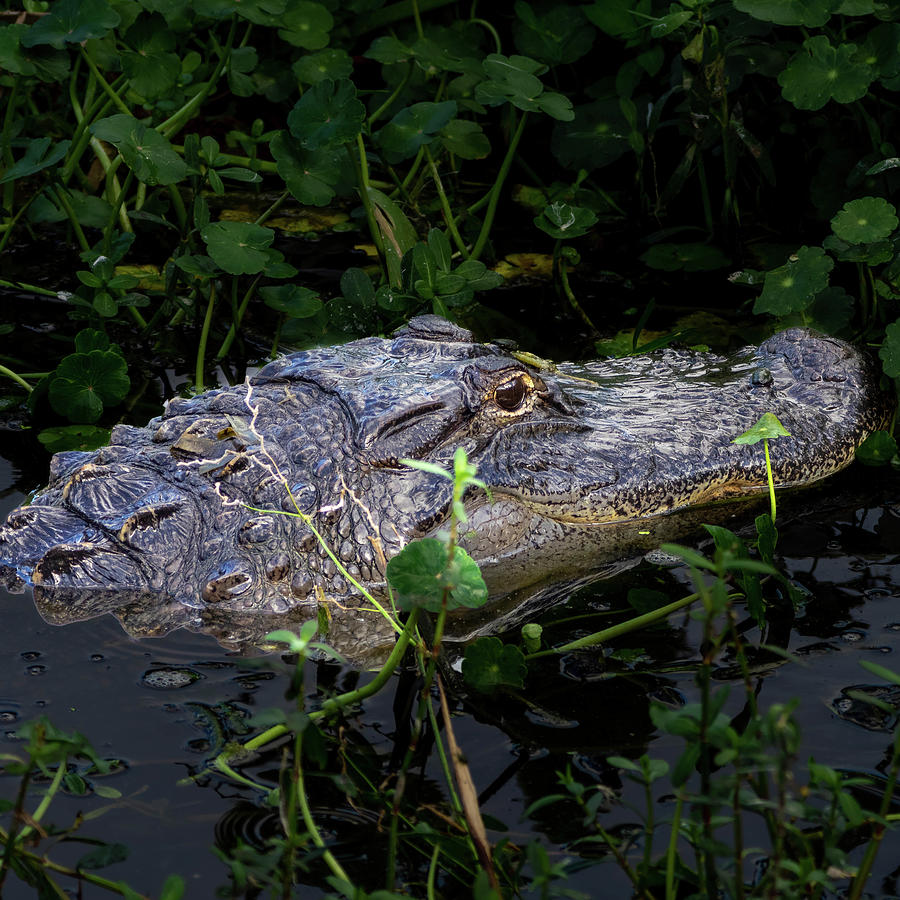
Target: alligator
[(191, 521)]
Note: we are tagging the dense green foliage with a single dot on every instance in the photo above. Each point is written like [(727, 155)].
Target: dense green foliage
[(721, 136)]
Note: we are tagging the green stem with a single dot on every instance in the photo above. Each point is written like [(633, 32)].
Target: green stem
[(494, 196), (563, 270), (615, 631), (392, 96), (276, 205), (204, 336), (118, 206), (361, 166), (16, 378), (238, 317), (445, 205), (498, 46), (178, 119), (672, 850), (104, 84), (63, 201), (6, 143), (771, 480), (335, 704)]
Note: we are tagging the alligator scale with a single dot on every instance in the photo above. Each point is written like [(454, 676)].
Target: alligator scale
[(180, 523)]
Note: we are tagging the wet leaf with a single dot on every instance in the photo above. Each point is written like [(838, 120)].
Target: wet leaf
[(328, 113), (421, 573), (767, 428), (292, 300), (692, 257), (878, 449), (565, 222), (72, 22), (865, 220), (791, 287), (890, 350), (86, 382), (489, 663), (514, 80), (820, 72), (811, 13), (239, 248), (413, 127), (312, 177), (146, 152)]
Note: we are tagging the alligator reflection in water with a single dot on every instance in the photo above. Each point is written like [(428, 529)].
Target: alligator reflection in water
[(168, 527)]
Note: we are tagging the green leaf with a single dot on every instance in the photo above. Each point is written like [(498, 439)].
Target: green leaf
[(878, 449), (465, 139), (413, 127), (146, 152), (312, 177), (766, 537), (514, 80), (84, 383), (357, 286), (557, 35), (306, 25), (239, 248), (890, 350), (12, 59), (767, 428), (36, 158), (597, 135), (421, 573), (102, 856), (292, 300), (150, 64), (489, 663), (791, 287), (811, 13), (865, 220), (328, 113), (693, 257), (72, 22), (820, 73), (565, 222), (173, 888), (73, 437), (332, 63)]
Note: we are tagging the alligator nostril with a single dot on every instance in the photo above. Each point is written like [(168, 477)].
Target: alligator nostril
[(761, 377)]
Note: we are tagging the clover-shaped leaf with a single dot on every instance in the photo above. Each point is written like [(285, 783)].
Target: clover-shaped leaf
[(559, 34), (72, 22), (306, 24), (510, 80), (291, 299), (84, 383), (791, 287), (489, 663), (597, 136), (865, 220), (328, 113), (332, 63), (465, 139), (811, 13), (820, 72), (239, 248), (146, 152), (422, 572), (312, 177), (890, 350), (691, 257), (877, 449), (562, 221), (151, 66), (413, 127), (12, 58)]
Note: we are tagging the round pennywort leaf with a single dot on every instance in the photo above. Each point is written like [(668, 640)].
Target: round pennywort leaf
[(792, 287), (86, 382), (865, 221), (239, 248), (489, 663)]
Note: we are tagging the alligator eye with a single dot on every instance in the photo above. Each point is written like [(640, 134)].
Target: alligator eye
[(511, 394)]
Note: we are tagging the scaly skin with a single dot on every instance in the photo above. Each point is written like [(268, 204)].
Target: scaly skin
[(172, 524)]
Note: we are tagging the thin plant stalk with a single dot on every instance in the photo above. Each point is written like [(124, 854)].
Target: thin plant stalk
[(204, 336)]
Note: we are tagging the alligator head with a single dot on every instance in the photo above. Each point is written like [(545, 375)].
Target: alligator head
[(183, 522)]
